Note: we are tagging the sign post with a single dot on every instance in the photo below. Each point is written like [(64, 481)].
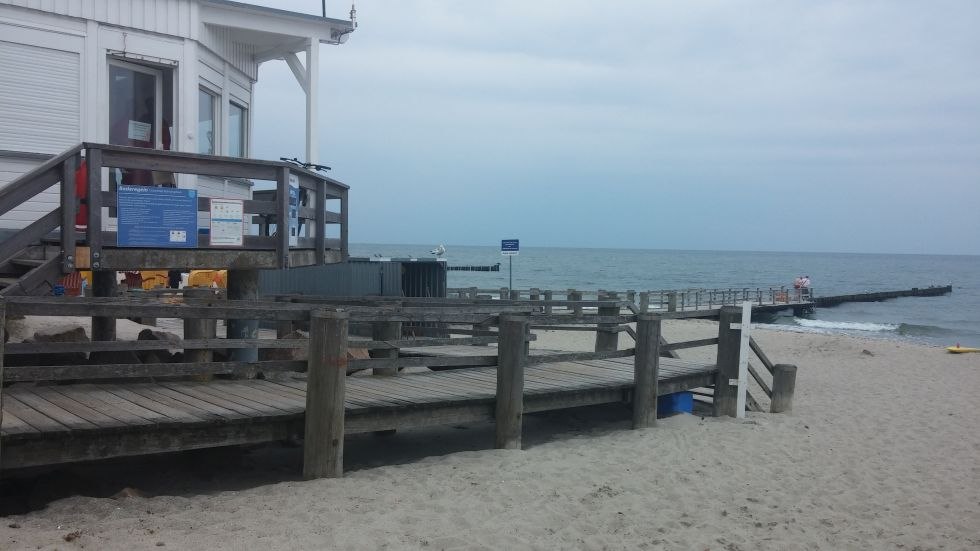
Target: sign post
[(510, 248)]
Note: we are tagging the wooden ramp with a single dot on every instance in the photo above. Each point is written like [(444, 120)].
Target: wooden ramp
[(45, 425)]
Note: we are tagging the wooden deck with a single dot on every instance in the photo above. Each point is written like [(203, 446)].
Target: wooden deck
[(65, 423)]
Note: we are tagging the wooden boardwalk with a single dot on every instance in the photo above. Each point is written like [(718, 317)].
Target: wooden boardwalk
[(65, 423)]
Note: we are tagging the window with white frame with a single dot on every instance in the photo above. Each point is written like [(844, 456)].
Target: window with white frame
[(237, 130), (207, 135)]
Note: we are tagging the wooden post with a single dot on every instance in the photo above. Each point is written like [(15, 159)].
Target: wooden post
[(645, 301), (282, 221), (548, 297), (473, 293), (385, 331), (728, 344), (631, 295), (783, 386), (283, 327), (672, 301), (3, 337), (511, 359), (103, 285), (323, 447), (646, 370), (199, 328), (504, 293), (515, 294), (243, 285), (93, 157), (533, 295), (68, 210), (574, 296), (607, 334)]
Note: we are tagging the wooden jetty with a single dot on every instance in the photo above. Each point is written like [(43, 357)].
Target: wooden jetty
[(109, 410), (706, 301)]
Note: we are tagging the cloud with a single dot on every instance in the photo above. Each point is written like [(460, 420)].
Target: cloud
[(656, 102)]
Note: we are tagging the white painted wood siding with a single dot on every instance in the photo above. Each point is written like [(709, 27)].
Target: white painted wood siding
[(172, 17)]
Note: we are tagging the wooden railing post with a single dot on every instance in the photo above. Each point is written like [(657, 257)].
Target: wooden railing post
[(3, 337), (243, 285), (725, 398), (284, 327), (644, 301), (534, 295), (672, 301), (646, 370), (320, 236), (548, 297), (199, 328), (515, 294), (504, 293), (93, 236), (68, 210), (607, 334), (783, 387), (282, 217), (511, 360), (631, 295), (574, 296), (323, 447), (385, 331), (103, 285)]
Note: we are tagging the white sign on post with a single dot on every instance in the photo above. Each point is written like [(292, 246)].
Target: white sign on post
[(227, 222), (743, 360)]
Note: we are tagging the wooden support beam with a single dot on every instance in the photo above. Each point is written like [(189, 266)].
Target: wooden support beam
[(323, 446), (672, 302), (548, 297), (783, 387), (511, 360), (646, 370), (725, 402)]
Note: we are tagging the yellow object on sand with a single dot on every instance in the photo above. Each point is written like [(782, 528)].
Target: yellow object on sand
[(961, 349), (154, 278), (208, 278)]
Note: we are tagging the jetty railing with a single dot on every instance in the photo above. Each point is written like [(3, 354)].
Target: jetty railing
[(656, 300)]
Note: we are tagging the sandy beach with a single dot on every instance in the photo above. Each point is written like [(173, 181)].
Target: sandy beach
[(880, 452)]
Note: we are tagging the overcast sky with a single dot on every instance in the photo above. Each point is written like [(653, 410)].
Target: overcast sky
[(751, 125)]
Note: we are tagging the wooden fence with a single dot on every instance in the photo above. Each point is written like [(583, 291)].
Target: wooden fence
[(327, 362)]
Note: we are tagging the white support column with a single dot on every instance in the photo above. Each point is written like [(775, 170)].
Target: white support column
[(312, 105)]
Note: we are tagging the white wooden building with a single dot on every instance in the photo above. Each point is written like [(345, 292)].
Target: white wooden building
[(167, 74)]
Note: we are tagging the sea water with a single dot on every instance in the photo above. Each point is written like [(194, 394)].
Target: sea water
[(941, 321)]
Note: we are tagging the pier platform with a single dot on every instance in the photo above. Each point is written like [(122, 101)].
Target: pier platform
[(44, 425)]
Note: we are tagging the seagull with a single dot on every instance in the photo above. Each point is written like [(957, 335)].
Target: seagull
[(438, 251)]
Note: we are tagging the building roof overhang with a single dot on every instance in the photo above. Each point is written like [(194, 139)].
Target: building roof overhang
[(273, 33)]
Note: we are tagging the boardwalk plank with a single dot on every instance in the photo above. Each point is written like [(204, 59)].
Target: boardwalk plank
[(39, 421), (39, 404)]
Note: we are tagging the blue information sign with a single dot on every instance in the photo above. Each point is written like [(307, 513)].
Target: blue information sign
[(510, 246), (159, 217)]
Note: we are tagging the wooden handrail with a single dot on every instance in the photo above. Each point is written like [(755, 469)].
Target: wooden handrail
[(30, 184)]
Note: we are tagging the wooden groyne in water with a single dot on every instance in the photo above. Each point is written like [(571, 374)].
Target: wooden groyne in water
[(883, 295)]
